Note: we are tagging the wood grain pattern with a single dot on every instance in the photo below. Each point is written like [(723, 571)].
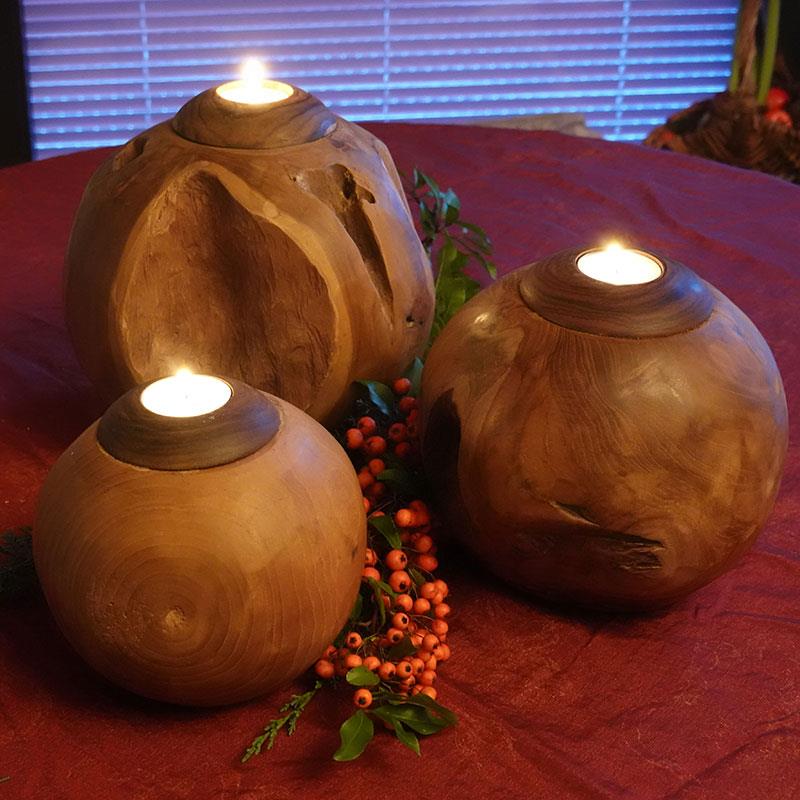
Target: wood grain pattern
[(611, 472), (131, 433), (213, 120), (203, 587), (295, 269)]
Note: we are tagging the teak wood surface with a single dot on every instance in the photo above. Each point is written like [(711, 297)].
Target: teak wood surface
[(615, 471), (292, 267), (208, 586)]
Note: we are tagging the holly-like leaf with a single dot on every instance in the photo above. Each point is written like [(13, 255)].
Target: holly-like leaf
[(386, 527), (358, 606), (436, 712), (414, 374), (355, 733), (405, 647), (361, 676), (413, 716), (380, 395)]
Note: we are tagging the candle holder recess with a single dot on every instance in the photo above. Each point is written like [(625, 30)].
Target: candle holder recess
[(270, 241), (613, 446), (205, 559)]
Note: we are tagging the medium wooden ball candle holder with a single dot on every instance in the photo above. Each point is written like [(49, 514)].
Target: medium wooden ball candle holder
[(256, 235), (604, 428), (201, 545)]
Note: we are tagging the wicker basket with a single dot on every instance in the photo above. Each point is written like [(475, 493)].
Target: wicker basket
[(731, 127)]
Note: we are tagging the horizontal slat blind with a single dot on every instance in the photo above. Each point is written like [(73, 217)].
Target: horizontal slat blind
[(101, 71)]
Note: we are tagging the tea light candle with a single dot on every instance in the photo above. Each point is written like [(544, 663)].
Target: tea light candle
[(186, 395), (254, 88), (619, 266)]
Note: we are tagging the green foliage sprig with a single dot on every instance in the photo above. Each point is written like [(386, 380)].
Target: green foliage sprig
[(453, 245)]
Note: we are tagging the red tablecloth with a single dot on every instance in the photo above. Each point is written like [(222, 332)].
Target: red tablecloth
[(702, 701)]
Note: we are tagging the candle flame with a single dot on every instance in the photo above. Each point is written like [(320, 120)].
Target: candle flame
[(613, 247), (253, 71), (183, 372)]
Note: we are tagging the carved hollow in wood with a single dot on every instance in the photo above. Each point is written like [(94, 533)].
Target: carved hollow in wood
[(612, 447), (131, 433)]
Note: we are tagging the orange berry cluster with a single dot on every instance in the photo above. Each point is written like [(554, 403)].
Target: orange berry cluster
[(405, 641)]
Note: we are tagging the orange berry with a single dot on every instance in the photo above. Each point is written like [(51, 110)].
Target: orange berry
[(442, 587), (324, 669), (780, 116), (376, 466), (422, 606), (386, 670), (440, 627), (404, 518), (330, 651), (444, 652), (370, 557), (375, 445), (431, 663), (427, 677), (405, 602), (416, 639), (423, 543), (363, 698), (367, 426), (437, 599), (403, 450), (370, 572), (427, 590), (404, 670), (377, 490), (387, 601), (413, 415), (412, 430), (415, 690), (402, 386), (351, 661), (394, 635), (371, 663), (400, 581), (441, 611), (354, 438), (418, 665), (367, 504), (396, 559), (407, 405), (429, 642), (408, 682), (365, 479), (397, 432), (353, 640), (430, 691), (400, 621), (426, 562), (418, 505)]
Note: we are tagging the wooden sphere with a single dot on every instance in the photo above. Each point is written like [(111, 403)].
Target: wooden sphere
[(202, 586), (272, 243), (609, 446)]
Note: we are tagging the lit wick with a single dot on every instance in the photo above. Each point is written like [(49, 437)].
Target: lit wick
[(186, 395)]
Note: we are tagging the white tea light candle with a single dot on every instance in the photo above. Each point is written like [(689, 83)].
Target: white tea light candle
[(186, 395), (620, 266), (254, 88)]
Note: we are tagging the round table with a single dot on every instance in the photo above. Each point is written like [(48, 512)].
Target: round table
[(700, 701)]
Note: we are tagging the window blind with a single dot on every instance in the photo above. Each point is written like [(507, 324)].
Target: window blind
[(101, 71)]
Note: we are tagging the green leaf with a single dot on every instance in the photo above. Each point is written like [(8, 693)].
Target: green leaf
[(377, 591), (355, 733), (361, 676), (386, 527), (406, 736), (451, 207), (380, 395), (355, 614), (416, 576), (414, 716), (405, 647), (414, 374), (436, 712), (402, 481)]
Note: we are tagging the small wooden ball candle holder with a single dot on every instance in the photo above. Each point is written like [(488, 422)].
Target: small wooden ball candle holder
[(205, 558), (256, 235), (604, 428)]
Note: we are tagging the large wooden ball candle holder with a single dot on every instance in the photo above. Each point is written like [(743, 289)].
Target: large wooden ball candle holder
[(256, 235), (202, 544), (604, 428)]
